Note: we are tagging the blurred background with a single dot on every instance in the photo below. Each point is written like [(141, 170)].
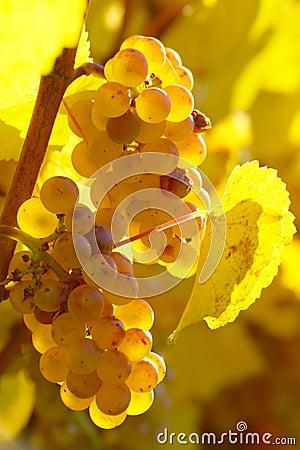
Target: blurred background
[(244, 56)]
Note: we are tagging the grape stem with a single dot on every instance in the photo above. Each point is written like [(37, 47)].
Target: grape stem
[(34, 245), (89, 68)]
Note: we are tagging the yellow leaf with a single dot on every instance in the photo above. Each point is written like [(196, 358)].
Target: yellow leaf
[(33, 34), (258, 226), (17, 398)]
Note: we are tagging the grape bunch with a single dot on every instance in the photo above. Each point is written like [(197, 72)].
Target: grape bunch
[(145, 105), (78, 294)]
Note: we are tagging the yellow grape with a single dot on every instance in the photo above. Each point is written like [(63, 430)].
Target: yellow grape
[(105, 421), (80, 119), (19, 299), (125, 283), (123, 129), (83, 356), (79, 220), (108, 332), (111, 100), (65, 328), (150, 131), (59, 194), (184, 77), (143, 376), (193, 149), (31, 322), (153, 105), (130, 41), (129, 67), (101, 270), (138, 313), (179, 131), (113, 221), (153, 50), (108, 71), (72, 401), (99, 120), (140, 402), (136, 343), (113, 399), (173, 56), (85, 303), (42, 338), (35, 219), (83, 386), (160, 364), (103, 150), (53, 364), (114, 367), (182, 102), (164, 145), (82, 160), (124, 265), (64, 251), (47, 296)]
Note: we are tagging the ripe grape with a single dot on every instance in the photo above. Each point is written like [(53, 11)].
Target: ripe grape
[(153, 105), (138, 313), (79, 220), (114, 367), (136, 343), (143, 376), (182, 102), (85, 303), (179, 131), (35, 219), (66, 253), (80, 119), (82, 160), (105, 421), (173, 56), (108, 332), (153, 50), (83, 386), (113, 399), (42, 338), (72, 401), (150, 131), (125, 289), (101, 270), (53, 365), (129, 67), (83, 356), (160, 364), (111, 99), (124, 265), (123, 129), (20, 299), (193, 149), (59, 194), (103, 150), (108, 72), (65, 328), (140, 402), (47, 296)]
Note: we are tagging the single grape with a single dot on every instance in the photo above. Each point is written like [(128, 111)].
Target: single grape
[(138, 313), (83, 386), (140, 402), (85, 303), (129, 67), (72, 401), (124, 265), (182, 102), (82, 160), (42, 338), (105, 421), (65, 252), (65, 328), (111, 100), (193, 149), (43, 317), (108, 71), (47, 296), (173, 56), (163, 145), (114, 367), (83, 356), (108, 332), (160, 364), (80, 119), (53, 364), (101, 270), (103, 150), (153, 50), (113, 220), (113, 399), (136, 343), (125, 289), (20, 297), (35, 219), (179, 131), (79, 220), (153, 105), (150, 131), (104, 239), (59, 194), (123, 129), (143, 376)]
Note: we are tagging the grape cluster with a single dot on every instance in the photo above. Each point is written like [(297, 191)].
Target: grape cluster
[(145, 105), (95, 342)]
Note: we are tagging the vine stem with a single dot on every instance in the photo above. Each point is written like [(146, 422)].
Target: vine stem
[(34, 245), (51, 90)]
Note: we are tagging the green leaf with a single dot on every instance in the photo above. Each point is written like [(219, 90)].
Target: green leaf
[(17, 398), (258, 226)]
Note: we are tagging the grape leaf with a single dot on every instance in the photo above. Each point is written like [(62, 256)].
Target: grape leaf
[(258, 226), (33, 34), (17, 398)]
